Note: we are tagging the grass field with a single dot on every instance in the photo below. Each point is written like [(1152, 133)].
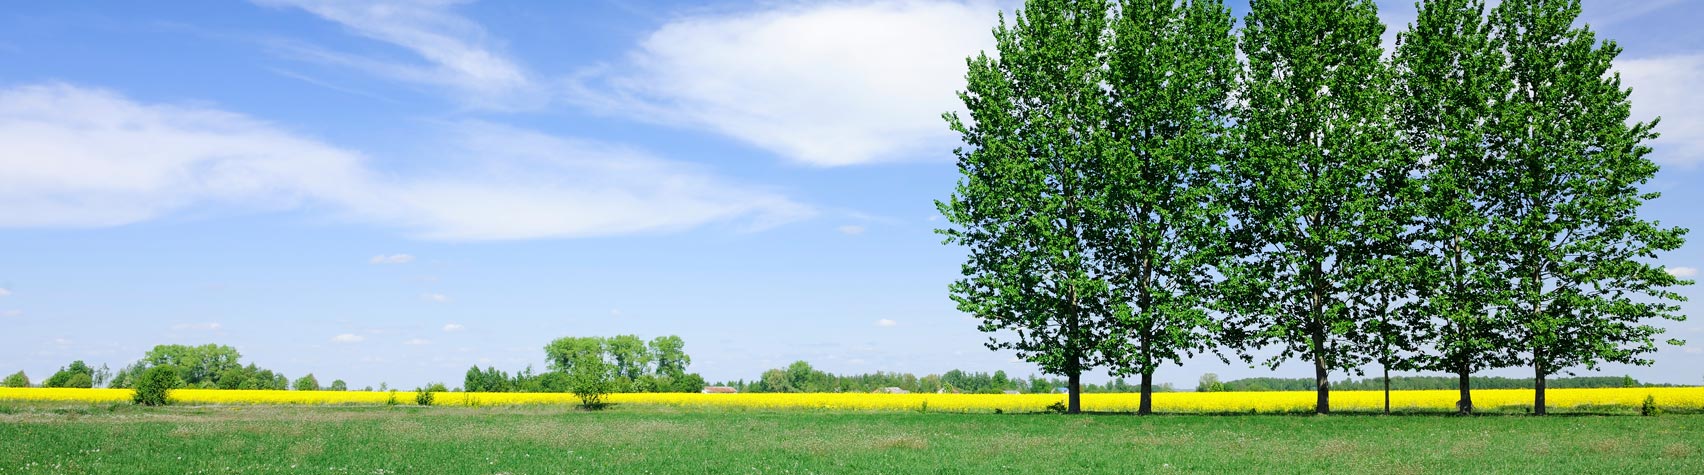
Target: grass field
[(43, 437)]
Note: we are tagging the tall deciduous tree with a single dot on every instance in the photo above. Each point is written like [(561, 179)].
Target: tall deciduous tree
[(1032, 197), (1315, 129), (632, 359), (1172, 69), (669, 353), (1449, 76), (1570, 166)]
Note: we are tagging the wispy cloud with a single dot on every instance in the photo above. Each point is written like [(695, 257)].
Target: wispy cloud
[(851, 229), (81, 157), (451, 50), (5, 292), (886, 323), (11, 313), (1667, 86), (830, 83), (454, 327), (417, 342), (440, 298), (391, 259), (348, 338), (1683, 272)]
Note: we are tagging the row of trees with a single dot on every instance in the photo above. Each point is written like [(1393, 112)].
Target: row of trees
[(801, 377), (1210, 383), (77, 375), (207, 366), (1133, 193)]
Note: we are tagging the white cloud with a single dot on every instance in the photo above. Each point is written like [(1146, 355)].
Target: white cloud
[(457, 52), (391, 259), (209, 326), (5, 292), (454, 327), (417, 342), (886, 323), (831, 83), (79, 157), (1683, 272), (11, 313), (1667, 86), (440, 298), (851, 229), (348, 338)]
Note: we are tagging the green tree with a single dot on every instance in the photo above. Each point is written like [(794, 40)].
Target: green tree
[(1448, 78), (1172, 69), (669, 353), (154, 385), (629, 355), (339, 385), (1315, 128), (563, 352), (775, 381), (306, 383), (77, 375), (16, 380), (591, 379), (1570, 166), (1030, 205)]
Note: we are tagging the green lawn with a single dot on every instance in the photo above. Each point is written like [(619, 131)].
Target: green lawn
[(518, 440)]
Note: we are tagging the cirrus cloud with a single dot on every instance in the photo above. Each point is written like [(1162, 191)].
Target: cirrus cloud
[(348, 338), (83, 157)]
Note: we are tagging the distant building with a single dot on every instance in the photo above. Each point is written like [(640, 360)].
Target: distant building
[(1061, 390), (1010, 391), (891, 390), (719, 390)]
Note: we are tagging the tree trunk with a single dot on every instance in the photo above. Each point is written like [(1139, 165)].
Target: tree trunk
[(1322, 378), (1147, 405), (1387, 388), (1465, 404), (1538, 387), (1074, 390)]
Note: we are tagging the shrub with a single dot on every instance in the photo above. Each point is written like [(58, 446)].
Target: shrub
[(154, 386), (1649, 408), (16, 380), (423, 396), (1056, 408), (339, 385), (591, 379), (392, 400)]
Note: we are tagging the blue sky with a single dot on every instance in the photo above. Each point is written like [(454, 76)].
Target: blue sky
[(394, 192)]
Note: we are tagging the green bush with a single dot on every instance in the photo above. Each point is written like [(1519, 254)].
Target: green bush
[(423, 396), (154, 386), (339, 385), (591, 379), (16, 380), (1649, 408), (307, 383)]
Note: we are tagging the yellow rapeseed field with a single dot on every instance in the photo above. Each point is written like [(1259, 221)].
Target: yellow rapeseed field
[(1288, 401)]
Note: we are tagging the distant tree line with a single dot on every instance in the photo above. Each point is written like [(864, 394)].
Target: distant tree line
[(591, 365), (1419, 383), (801, 377), (209, 366), (1142, 182)]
